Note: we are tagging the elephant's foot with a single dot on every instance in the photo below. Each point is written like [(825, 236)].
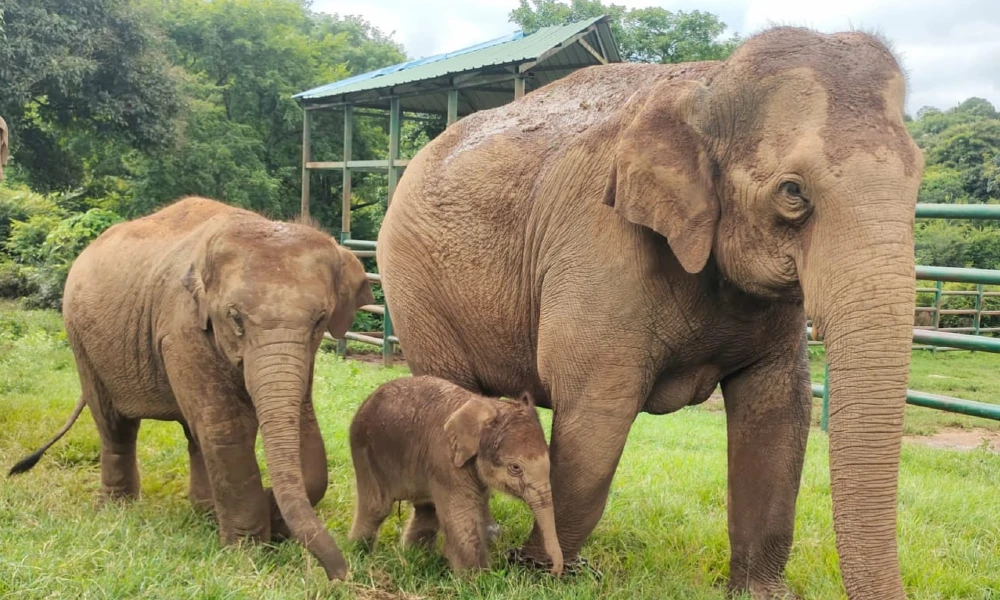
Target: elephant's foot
[(576, 566), (759, 590)]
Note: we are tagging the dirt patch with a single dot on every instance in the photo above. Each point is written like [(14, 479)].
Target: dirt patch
[(954, 438), (375, 358)]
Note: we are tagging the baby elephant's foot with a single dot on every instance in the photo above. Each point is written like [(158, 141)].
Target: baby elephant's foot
[(571, 567)]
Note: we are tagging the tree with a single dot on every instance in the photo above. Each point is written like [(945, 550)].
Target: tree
[(240, 137), (643, 35), (77, 73)]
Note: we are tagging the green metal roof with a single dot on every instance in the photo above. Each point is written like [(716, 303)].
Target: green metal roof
[(510, 50)]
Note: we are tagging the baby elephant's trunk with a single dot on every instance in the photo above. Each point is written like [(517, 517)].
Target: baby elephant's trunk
[(540, 501)]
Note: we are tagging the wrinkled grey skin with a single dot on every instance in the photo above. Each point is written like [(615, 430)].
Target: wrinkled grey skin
[(630, 236), (211, 316)]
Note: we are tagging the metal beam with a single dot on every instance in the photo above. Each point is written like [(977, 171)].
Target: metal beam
[(394, 131), (958, 211), (518, 87), (985, 276), (583, 43), (374, 166), (544, 56), (452, 107), (306, 157), (345, 216), (600, 44), (945, 403)]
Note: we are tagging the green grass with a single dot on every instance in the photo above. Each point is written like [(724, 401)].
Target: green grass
[(663, 534)]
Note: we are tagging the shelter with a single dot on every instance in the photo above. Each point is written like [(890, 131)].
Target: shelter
[(453, 84)]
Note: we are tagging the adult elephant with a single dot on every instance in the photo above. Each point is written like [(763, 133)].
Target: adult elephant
[(627, 238), (211, 315)]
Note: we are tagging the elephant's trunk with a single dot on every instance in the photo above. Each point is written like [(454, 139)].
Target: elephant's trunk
[(541, 505), (858, 278), (276, 376)]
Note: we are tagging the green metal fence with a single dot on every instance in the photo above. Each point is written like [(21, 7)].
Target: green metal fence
[(936, 338)]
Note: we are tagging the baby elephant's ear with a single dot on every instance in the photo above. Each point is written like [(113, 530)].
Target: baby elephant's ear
[(464, 427), (526, 400)]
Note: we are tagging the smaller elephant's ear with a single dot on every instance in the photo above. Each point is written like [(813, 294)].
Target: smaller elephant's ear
[(353, 292), (526, 400), (465, 426), (193, 283), (661, 175)]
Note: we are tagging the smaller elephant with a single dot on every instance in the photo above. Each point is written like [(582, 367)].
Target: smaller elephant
[(443, 448), (211, 316)]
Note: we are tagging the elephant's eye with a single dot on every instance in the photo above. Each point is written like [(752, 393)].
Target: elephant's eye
[(237, 320), (515, 469), (792, 189)]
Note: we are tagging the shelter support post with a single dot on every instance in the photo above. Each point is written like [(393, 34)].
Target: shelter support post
[(452, 107), (306, 157), (394, 131), (345, 203)]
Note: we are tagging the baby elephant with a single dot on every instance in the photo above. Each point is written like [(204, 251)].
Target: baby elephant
[(443, 448)]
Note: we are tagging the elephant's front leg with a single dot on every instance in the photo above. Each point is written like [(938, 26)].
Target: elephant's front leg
[(589, 429), (314, 468), (225, 430), (768, 411), (200, 488)]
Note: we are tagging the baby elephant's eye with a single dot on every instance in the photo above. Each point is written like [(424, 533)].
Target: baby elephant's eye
[(514, 469)]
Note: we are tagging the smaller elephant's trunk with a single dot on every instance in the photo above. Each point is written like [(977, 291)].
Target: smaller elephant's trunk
[(545, 517), (277, 383)]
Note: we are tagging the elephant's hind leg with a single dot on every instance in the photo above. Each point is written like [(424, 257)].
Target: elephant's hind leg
[(372, 507), (423, 527), (119, 467)]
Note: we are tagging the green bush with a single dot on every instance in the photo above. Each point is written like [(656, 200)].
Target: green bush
[(21, 204), (14, 282), (46, 246)]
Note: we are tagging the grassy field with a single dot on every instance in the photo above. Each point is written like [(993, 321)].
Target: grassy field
[(663, 534)]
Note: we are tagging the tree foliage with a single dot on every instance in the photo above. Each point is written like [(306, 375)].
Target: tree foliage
[(643, 34), (961, 148)]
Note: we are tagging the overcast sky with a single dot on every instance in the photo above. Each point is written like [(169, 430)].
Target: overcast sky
[(951, 48)]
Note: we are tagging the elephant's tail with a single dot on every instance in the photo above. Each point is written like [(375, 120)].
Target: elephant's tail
[(26, 463)]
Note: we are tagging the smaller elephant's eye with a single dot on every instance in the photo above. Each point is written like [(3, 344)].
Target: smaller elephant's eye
[(792, 189), (515, 469), (237, 320)]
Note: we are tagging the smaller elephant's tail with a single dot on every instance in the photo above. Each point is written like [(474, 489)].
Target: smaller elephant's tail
[(26, 463)]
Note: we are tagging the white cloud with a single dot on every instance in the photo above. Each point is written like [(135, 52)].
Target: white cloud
[(951, 48)]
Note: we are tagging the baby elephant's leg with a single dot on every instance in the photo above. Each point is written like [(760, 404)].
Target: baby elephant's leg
[(371, 508), (465, 537), (423, 526)]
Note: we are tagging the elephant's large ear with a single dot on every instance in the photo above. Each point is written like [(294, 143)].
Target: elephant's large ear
[(353, 292), (194, 284), (661, 176), (465, 426)]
